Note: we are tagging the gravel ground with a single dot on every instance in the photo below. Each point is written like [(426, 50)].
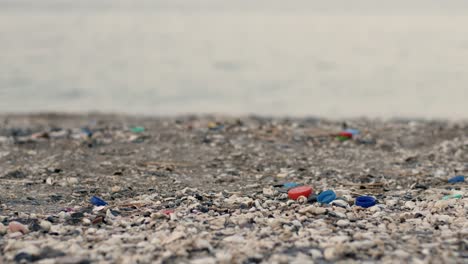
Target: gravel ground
[(207, 189)]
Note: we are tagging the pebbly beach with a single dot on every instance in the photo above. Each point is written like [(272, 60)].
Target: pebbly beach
[(100, 188)]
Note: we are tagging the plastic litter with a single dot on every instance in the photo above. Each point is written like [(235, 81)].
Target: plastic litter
[(87, 131), (285, 187), (326, 196), (215, 126), (138, 129), (98, 201), (290, 185), (297, 192), (452, 196), (343, 136), (353, 132), (365, 201), (167, 211), (458, 178)]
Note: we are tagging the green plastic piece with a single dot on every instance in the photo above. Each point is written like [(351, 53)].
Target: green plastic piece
[(137, 129), (342, 138), (455, 196)]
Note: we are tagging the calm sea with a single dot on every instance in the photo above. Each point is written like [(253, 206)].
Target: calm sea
[(333, 59)]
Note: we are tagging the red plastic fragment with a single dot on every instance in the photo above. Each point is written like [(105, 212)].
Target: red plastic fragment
[(297, 192), (167, 211), (346, 134)]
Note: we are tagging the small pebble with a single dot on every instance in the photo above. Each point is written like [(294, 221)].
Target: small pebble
[(17, 227), (45, 225), (342, 223)]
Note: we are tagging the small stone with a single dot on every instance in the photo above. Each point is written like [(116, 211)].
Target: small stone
[(441, 205), (159, 215), (340, 203), (330, 254), (15, 235), (24, 257), (315, 253), (401, 254), (234, 239), (337, 214), (342, 223), (49, 181), (320, 210), (224, 257), (72, 180), (409, 205), (45, 225), (268, 191), (391, 202), (300, 258), (205, 260), (3, 229), (217, 223), (302, 200), (17, 227), (86, 221)]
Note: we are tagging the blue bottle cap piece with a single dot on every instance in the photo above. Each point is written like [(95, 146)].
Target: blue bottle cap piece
[(290, 185), (87, 131), (365, 201), (352, 131), (97, 201), (326, 196), (458, 178)]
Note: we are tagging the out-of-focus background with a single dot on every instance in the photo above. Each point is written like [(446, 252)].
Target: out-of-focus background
[(333, 59)]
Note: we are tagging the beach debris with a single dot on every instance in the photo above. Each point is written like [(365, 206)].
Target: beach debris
[(87, 132), (98, 201), (290, 185), (365, 201), (452, 196), (326, 196), (215, 126), (167, 211), (456, 179), (347, 134), (137, 129), (287, 185), (15, 226), (343, 136), (352, 131), (297, 192), (340, 203), (40, 135)]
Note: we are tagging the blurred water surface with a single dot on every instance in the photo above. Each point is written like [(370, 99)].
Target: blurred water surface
[(334, 59)]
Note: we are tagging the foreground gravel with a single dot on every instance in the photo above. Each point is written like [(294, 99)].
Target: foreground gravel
[(207, 189)]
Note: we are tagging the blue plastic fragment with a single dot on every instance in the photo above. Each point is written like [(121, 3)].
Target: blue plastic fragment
[(352, 131), (326, 196), (458, 178), (97, 201), (290, 185), (87, 131), (365, 201)]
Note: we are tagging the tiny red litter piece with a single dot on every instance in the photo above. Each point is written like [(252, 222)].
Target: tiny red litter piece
[(167, 212), (346, 134), (297, 192)]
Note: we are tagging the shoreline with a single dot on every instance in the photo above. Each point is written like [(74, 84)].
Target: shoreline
[(200, 189)]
